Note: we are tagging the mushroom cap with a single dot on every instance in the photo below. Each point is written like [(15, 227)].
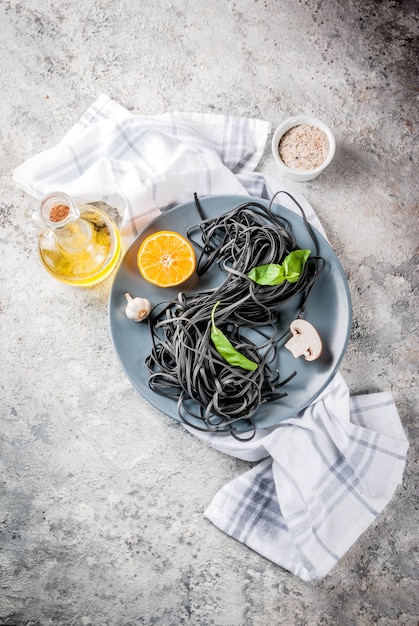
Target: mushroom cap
[(305, 340)]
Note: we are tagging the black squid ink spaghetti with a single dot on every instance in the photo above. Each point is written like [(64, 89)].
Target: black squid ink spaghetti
[(203, 342)]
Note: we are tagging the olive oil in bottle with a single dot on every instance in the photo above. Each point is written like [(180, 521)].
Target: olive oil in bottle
[(78, 244)]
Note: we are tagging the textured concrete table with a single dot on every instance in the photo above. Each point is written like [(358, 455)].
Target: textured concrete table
[(101, 495)]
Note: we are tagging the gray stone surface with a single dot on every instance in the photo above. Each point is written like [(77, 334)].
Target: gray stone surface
[(102, 497)]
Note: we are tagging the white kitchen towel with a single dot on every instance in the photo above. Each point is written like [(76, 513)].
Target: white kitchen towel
[(142, 165), (322, 476), (328, 473)]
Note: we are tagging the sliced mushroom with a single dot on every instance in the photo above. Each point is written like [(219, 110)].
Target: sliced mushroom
[(305, 341)]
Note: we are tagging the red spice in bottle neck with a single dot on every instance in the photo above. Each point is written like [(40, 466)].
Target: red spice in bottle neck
[(59, 212)]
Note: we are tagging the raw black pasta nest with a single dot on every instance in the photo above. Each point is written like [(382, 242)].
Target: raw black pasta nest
[(212, 395)]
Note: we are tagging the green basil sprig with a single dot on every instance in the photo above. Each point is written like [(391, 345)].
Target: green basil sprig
[(273, 274), (226, 350)]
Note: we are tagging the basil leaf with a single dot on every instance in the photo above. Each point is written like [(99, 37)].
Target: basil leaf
[(293, 264), (226, 350), (273, 274), (270, 274)]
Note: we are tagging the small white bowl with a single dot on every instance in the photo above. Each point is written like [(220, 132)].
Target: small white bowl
[(302, 175)]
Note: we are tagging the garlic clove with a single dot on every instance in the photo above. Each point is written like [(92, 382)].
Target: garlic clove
[(137, 309)]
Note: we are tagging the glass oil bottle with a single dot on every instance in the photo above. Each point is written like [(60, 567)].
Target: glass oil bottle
[(78, 244)]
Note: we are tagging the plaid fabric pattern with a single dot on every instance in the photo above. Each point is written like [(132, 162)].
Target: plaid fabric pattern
[(142, 165), (330, 472), (324, 475)]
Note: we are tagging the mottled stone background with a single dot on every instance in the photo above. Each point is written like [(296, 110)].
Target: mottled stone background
[(102, 497)]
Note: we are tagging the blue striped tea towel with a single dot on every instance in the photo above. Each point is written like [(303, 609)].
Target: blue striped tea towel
[(328, 473), (322, 476), (143, 164)]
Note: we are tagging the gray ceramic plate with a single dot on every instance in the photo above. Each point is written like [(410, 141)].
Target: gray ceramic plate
[(328, 309)]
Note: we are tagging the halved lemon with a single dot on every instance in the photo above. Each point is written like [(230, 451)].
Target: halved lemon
[(166, 259)]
